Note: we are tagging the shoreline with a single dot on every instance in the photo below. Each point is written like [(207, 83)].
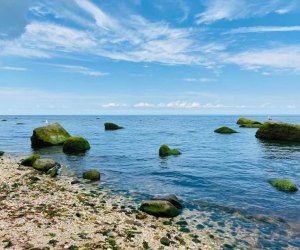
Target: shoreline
[(40, 212)]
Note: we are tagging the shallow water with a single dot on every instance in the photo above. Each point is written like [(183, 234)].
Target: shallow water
[(222, 175)]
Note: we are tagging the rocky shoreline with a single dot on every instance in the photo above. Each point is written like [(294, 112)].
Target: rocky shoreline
[(40, 212)]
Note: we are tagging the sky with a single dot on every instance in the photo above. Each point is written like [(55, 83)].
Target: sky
[(149, 57)]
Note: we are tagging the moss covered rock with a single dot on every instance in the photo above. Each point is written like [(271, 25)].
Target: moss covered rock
[(160, 208), (246, 121), (30, 160), (1, 153), (225, 130), (164, 150), (279, 131), (250, 125), (51, 135), (53, 171), (44, 164), (284, 185), (111, 126), (92, 175), (75, 145)]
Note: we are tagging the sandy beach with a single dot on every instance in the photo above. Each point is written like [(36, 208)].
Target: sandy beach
[(40, 212)]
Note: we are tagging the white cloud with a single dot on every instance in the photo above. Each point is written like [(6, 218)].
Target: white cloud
[(180, 104), (287, 57), (199, 80), (143, 105), (216, 10), (113, 105), (13, 68), (81, 70), (260, 29)]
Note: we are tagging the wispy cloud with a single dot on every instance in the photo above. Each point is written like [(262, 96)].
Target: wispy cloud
[(13, 68), (216, 10), (81, 70), (260, 29), (200, 79), (287, 57), (113, 105)]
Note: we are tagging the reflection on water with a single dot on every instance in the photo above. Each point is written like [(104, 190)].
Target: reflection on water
[(232, 171)]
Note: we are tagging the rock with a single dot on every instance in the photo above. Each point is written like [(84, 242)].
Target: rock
[(19, 123), (53, 171), (75, 182), (279, 131), (160, 208), (92, 175), (164, 150), (1, 153), (171, 198), (51, 135), (165, 241), (284, 185), (111, 126), (44, 164), (250, 125), (29, 161), (247, 121), (4, 120), (75, 145), (225, 130)]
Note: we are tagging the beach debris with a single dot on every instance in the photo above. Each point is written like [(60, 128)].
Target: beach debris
[(225, 130), (75, 145), (279, 131), (164, 150), (111, 126), (284, 185), (29, 160), (167, 206), (93, 175), (50, 135)]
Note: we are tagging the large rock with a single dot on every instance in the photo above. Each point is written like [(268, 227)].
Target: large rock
[(1, 153), (30, 160), (51, 135), (92, 175), (44, 164), (159, 208), (164, 150), (284, 185), (250, 125), (225, 130), (246, 121), (279, 131), (75, 145), (111, 126)]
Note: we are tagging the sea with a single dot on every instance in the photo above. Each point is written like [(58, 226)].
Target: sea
[(223, 179)]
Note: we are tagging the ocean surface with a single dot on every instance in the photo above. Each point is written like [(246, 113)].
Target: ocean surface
[(225, 175)]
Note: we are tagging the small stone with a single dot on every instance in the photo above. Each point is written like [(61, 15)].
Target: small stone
[(165, 241)]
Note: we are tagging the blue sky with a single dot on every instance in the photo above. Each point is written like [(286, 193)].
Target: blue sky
[(149, 57)]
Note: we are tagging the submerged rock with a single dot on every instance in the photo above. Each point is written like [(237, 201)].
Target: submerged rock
[(164, 150), (75, 145), (30, 160), (44, 164), (168, 206), (111, 126), (284, 185), (92, 175), (247, 121), (279, 131), (225, 130), (51, 135)]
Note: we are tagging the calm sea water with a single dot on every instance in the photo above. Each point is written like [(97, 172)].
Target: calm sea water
[(221, 173)]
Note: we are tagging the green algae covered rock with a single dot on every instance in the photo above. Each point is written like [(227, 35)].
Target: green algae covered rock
[(53, 172), (30, 160), (246, 121), (164, 150), (225, 130), (160, 208), (279, 131), (75, 145), (111, 126), (284, 185), (44, 164), (51, 135), (92, 175), (250, 125)]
